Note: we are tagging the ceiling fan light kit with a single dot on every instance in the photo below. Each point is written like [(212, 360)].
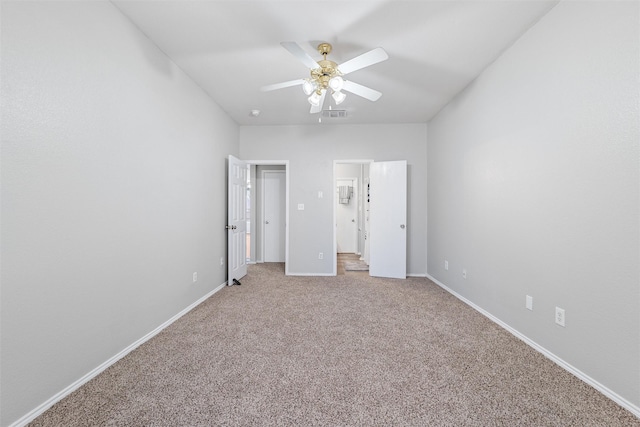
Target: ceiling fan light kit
[(326, 75), (338, 97)]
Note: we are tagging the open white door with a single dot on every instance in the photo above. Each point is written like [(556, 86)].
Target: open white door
[(237, 221), (388, 219)]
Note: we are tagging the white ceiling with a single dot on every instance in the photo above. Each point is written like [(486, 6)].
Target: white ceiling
[(232, 48)]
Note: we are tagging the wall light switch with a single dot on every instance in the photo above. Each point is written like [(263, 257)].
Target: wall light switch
[(195, 277), (300, 206), (446, 264), (320, 195), (529, 303)]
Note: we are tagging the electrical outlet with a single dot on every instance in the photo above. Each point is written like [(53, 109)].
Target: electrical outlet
[(529, 303), (320, 255), (464, 273), (560, 316), (221, 260), (195, 277), (446, 265)]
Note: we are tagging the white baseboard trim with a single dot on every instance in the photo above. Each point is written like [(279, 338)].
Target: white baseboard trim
[(416, 275), (33, 414), (634, 409)]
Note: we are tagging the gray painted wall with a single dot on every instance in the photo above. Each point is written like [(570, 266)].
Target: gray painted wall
[(311, 151), (113, 193), (533, 187)]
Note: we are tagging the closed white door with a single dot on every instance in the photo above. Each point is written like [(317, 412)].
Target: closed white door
[(274, 216), (237, 220), (388, 219), (347, 217)]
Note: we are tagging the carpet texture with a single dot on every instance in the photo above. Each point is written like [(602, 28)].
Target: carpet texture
[(334, 351)]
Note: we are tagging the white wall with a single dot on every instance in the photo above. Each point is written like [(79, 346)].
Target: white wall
[(311, 151), (113, 193), (533, 187)]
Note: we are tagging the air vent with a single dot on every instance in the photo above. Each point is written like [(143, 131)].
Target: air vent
[(334, 113)]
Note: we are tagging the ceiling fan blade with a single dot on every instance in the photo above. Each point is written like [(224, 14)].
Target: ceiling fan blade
[(372, 57), (299, 53), (318, 108), (363, 91), (282, 85)]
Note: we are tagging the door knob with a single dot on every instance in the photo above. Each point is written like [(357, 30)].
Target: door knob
[(266, 222), (402, 226)]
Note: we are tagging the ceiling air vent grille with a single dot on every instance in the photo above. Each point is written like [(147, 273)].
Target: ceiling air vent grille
[(334, 113)]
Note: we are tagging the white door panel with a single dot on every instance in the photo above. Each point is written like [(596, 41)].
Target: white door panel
[(236, 220), (388, 219)]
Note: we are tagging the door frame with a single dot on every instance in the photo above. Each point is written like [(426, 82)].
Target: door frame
[(284, 163), (262, 209), (335, 205)]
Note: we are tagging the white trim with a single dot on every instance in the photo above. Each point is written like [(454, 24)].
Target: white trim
[(416, 275), (635, 410), (33, 414)]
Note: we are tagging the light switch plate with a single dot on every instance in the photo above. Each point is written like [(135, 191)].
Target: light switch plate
[(300, 206)]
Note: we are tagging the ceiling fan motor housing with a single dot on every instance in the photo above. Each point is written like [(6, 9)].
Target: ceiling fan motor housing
[(327, 70)]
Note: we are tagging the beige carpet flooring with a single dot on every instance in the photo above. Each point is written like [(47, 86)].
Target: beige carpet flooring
[(334, 351)]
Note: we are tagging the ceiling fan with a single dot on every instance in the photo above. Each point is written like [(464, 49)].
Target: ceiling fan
[(327, 75)]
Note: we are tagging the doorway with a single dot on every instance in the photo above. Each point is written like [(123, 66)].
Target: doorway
[(273, 214), (351, 219), (382, 212), (347, 216), (268, 178)]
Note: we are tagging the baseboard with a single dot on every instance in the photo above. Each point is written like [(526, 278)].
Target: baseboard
[(634, 409), (33, 414), (416, 275)]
